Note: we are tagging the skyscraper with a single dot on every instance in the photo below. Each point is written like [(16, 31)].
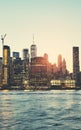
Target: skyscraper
[(33, 51), (1, 71), (26, 55), (76, 68), (6, 65), (64, 67), (15, 55), (26, 63), (60, 63)]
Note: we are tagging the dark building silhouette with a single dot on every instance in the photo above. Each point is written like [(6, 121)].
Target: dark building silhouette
[(15, 55), (25, 64), (76, 68), (1, 71), (17, 71), (26, 55)]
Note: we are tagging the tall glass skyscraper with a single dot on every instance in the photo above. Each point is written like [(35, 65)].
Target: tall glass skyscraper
[(33, 51)]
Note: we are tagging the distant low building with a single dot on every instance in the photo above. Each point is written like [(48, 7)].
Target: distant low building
[(60, 84)]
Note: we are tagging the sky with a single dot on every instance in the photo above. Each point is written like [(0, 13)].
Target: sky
[(56, 25)]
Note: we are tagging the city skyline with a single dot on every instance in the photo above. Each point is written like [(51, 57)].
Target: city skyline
[(56, 26)]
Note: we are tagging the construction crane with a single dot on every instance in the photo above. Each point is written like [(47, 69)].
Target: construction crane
[(2, 38)]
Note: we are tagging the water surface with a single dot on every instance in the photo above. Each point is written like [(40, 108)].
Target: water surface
[(40, 110)]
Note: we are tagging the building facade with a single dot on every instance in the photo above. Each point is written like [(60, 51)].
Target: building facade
[(33, 50), (1, 71), (26, 60), (17, 72), (6, 66), (38, 71), (26, 55), (15, 55)]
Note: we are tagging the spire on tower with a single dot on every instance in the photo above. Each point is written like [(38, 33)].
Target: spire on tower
[(33, 39)]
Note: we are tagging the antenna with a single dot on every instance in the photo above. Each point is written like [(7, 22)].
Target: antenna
[(2, 38), (33, 39)]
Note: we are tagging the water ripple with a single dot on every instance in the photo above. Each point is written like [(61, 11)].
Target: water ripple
[(40, 110)]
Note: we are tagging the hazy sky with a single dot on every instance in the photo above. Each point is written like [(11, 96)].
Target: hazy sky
[(56, 25)]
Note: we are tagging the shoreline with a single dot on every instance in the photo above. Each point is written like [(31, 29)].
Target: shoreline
[(43, 89)]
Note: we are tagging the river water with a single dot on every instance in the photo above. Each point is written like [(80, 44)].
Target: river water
[(40, 110)]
